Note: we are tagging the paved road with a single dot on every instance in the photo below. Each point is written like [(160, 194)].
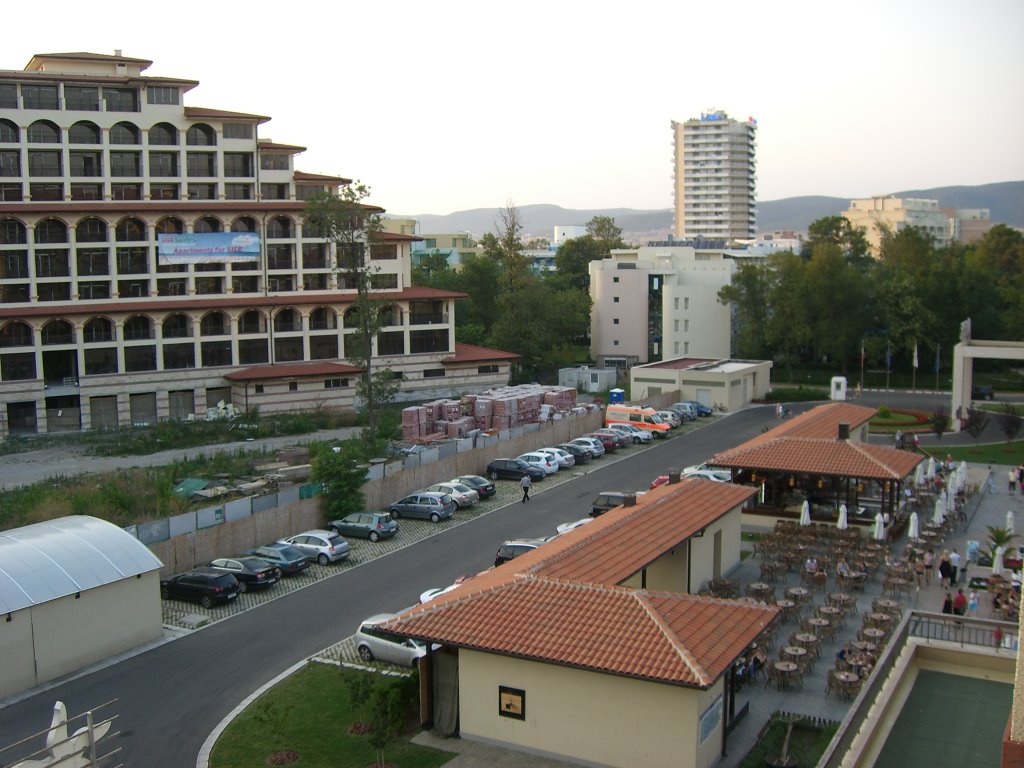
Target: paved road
[(171, 697)]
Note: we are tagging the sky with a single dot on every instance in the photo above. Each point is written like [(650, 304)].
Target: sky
[(446, 106)]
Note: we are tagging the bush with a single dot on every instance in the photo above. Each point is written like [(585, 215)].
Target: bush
[(884, 411)]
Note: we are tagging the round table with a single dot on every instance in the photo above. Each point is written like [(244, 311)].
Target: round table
[(786, 668), (846, 677), (899, 584), (874, 633), (794, 651), (759, 589), (819, 623), (830, 612), (864, 646), (799, 594), (880, 618), (889, 606), (840, 598), (806, 639)]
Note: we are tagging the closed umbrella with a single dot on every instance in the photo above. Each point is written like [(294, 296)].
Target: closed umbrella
[(997, 561), (929, 472), (914, 529), (950, 500), (940, 511), (805, 514), (1009, 522), (879, 527), (962, 475), (919, 474), (842, 523)]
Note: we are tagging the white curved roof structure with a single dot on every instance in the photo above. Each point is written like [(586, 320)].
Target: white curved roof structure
[(46, 561)]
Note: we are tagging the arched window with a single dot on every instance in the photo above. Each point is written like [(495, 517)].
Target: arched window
[(51, 231), (125, 133), (243, 224), (279, 226), (169, 225), (43, 132), (250, 322), (214, 324), (322, 319), (351, 318), (130, 230), (12, 232), (85, 132), (98, 329), (201, 135), (287, 320), (177, 327), (8, 132), (16, 334), (163, 134), (91, 230), (58, 332), (208, 224), (138, 327)]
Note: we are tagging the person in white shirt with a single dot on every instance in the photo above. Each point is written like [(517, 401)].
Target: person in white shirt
[(954, 561)]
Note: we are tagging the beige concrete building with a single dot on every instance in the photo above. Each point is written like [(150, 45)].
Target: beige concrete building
[(732, 383), (598, 634), (659, 302), (896, 213), (73, 591), (968, 225), (151, 253), (715, 177)]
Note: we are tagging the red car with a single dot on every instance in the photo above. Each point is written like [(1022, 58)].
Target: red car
[(608, 441)]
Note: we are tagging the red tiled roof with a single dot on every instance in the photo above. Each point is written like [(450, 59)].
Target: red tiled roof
[(79, 308), (303, 176), (292, 371), (819, 456), (86, 56), (672, 638), (201, 113), (397, 237), (822, 421), (470, 353), (271, 145)]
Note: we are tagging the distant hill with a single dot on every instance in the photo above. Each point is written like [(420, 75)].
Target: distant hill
[(1004, 199)]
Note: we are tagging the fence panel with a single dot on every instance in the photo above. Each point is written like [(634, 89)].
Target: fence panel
[(287, 496), (154, 532), (263, 503), (209, 517), (238, 509), (179, 525)]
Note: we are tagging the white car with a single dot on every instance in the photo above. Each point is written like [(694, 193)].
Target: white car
[(595, 447), (372, 644), (634, 433), (564, 458), (541, 461), (566, 527), (718, 475), (671, 418), (462, 494)]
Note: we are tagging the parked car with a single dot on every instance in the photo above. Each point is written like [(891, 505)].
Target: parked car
[(484, 487), (540, 461), (424, 505), (249, 572), (372, 643), (595, 446), (635, 434), (983, 393), (365, 525), (564, 458), (579, 453), (684, 410), (515, 547), (323, 546), (513, 469), (718, 475), (609, 500), (700, 408), (206, 586), (286, 557), (609, 440), (430, 594), (462, 494), (566, 527), (671, 418), (621, 440)]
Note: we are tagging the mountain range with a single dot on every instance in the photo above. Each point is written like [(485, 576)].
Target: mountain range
[(1005, 201)]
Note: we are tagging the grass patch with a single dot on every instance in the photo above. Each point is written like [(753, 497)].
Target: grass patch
[(1011, 454), (310, 713), (806, 745), (903, 420)]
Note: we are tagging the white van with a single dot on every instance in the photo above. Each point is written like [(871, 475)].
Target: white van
[(642, 418)]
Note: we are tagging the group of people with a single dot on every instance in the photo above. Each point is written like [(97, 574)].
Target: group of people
[(904, 442), (1016, 478), (961, 604), (861, 662), (747, 667)]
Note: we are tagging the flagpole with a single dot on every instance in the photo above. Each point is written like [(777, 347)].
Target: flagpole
[(913, 376), (888, 366), (862, 365), (938, 349)]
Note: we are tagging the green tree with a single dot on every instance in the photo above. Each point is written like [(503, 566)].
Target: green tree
[(1010, 422), (432, 271), (387, 713), (939, 421), (838, 231), (354, 229), (480, 280), (748, 294), (573, 259), (603, 230), (342, 474)]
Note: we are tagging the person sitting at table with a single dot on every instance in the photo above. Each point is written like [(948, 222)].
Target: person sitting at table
[(843, 568), (813, 568), (757, 660), (997, 603), (1010, 608), (845, 653)]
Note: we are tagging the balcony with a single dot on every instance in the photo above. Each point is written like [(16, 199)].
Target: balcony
[(433, 318)]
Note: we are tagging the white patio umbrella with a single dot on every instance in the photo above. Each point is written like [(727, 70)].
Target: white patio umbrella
[(929, 472), (914, 528), (919, 474), (879, 534), (939, 516), (842, 523), (963, 473), (805, 514), (997, 561), (1009, 521), (950, 500)]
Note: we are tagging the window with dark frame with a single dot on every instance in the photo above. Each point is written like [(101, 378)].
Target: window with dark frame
[(121, 99), (163, 163), (84, 132), (433, 373), (238, 164), (84, 98), (124, 133), (125, 164), (273, 162), (487, 369), (39, 97), (44, 162), (258, 389), (511, 702), (46, 192), (293, 386), (201, 163), (10, 163), (162, 94), (335, 383), (238, 130)]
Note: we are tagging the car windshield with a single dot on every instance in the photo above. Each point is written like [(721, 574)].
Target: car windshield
[(521, 464), (291, 553), (461, 488)]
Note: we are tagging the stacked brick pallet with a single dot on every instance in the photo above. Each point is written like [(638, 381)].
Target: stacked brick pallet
[(495, 409)]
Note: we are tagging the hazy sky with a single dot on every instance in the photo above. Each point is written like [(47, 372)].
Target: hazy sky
[(444, 106)]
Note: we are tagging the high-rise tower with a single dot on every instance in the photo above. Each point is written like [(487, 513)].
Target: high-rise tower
[(715, 177)]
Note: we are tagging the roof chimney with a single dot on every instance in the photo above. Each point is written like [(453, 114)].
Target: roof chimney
[(844, 431), (117, 51), (673, 476)]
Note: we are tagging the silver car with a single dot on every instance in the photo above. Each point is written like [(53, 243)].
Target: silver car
[(323, 546), (434, 507), (461, 494), (373, 644)]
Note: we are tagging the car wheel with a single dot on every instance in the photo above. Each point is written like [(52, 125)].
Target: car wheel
[(206, 602), (373, 536), (637, 441), (435, 518), (322, 559), (395, 514), (165, 593), (365, 653), (242, 586), (492, 475)]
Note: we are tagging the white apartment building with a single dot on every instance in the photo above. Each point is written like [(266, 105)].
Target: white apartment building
[(101, 326), (655, 303), (714, 177), (567, 232), (897, 213)]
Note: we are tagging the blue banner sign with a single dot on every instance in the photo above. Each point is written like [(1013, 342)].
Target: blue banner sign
[(208, 248)]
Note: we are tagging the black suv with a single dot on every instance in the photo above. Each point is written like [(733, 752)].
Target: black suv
[(512, 549), (513, 469), (206, 586)]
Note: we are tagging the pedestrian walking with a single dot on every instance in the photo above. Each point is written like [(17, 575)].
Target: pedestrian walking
[(899, 438), (954, 564), (945, 570), (960, 603), (929, 564), (525, 484), (947, 604), (1012, 477), (990, 484), (1020, 478)]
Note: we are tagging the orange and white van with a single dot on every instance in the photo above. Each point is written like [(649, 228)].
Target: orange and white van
[(643, 418)]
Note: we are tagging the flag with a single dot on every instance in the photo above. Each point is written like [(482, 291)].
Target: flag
[(915, 353)]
